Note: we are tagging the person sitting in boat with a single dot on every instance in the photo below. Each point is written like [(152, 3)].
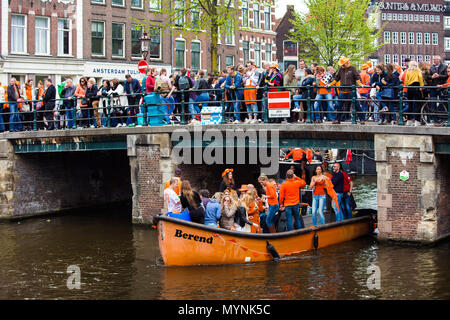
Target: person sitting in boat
[(204, 195), (319, 196), (272, 201), (191, 199), (252, 208), (227, 181), (172, 201), (241, 222), (177, 175), (290, 200), (228, 211), (213, 210), (243, 190)]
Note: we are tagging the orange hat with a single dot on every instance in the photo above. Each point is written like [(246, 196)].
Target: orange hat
[(276, 66), (398, 68), (343, 61), (369, 63), (244, 187), (226, 171), (365, 66)]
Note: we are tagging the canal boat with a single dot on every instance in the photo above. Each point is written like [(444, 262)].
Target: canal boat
[(183, 243)]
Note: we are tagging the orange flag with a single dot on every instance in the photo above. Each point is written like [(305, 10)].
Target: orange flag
[(329, 187)]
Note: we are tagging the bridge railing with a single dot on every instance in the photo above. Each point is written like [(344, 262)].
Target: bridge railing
[(308, 104)]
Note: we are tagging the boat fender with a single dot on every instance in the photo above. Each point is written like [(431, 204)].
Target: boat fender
[(316, 240), (272, 251)]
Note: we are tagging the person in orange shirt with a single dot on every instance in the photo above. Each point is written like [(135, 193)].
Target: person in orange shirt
[(290, 200), (272, 200), (323, 94), (319, 195), (177, 175), (252, 208), (364, 92)]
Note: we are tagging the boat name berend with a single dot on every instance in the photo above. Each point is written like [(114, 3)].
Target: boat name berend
[(180, 234)]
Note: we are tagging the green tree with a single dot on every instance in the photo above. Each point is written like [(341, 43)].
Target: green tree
[(192, 17), (335, 28)]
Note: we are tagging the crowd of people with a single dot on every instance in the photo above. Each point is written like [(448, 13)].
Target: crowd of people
[(259, 209), (87, 104)]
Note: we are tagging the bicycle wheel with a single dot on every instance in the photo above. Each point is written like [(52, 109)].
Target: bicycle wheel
[(442, 113), (425, 112)]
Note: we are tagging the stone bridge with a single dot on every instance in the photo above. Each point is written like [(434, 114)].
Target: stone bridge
[(45, 172)]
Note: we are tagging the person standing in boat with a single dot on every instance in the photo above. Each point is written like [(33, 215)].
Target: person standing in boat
[(229, 208), (252, 209), (319, 195), (290, 200), (338, 183), (177, 175), (227, 181), (213, 210), (191, 200), (172, 201), (272, 200)]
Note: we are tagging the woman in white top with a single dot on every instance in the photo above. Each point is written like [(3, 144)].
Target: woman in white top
[(119, 102)]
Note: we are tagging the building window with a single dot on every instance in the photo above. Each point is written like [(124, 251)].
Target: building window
[(427, 39), (154, 5), (437, 19), (387, 37), (98, 1), (431, 18), (195, 55), (64, 37), (246, 51), (395, 58), (18, 32), (394, 17), (267, 20), (446, 22), (421, 18), (405, 17), (394, 37), (42, 35), (416, 17), (403, 57), (411, 38), (434, 39), (119, 3), (136, 33), (419, 58), (427, 58), (256, 23), (447, 44), (155, 44), (229, 61), (98, 38), (403, 37), (195, 15), (411, 57), (258, 54), (229, 33), (180, 53), (419, 37), (427, 18), (137, 4), (118, 40), (411, 17), (268, 52), (383, 16), (290, 49), (389, 16), (244, 14), (179, 13), (400, 17), (387, 58)]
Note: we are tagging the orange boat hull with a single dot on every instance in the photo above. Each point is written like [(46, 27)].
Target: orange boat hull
[(183, 243)]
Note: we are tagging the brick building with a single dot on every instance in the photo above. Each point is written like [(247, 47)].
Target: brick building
[(287, 51), (411, 30)]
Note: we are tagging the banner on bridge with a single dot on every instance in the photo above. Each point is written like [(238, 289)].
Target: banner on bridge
[(279, 104)]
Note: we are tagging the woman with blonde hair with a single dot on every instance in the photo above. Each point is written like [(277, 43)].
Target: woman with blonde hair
[(191, 200), (252, 208), (414, 78), (228, 210)]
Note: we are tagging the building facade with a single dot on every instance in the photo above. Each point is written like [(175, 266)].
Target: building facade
[(414, 30), (287, 50)]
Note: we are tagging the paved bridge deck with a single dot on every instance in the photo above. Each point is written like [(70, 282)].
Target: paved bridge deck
[(324, 135)]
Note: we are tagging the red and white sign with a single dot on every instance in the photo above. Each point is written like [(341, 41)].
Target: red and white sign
[(142, 65), (279, 104)]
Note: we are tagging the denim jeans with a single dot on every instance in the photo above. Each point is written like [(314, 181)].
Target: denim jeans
[(339, 213), (348, 96), (347, 212), (293, 211), (390, 105), (69, 114), (365, 104), (14, 119), (2, 125), (252, 109), (170, 106), (297, 97), (237, 109), (318, 205), (322, 97), (193, 108), (273, 209)]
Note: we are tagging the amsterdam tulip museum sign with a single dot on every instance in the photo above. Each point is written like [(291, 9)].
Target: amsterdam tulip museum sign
[(402, 6)]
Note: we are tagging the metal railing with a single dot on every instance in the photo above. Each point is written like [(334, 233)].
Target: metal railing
[(154, 109)]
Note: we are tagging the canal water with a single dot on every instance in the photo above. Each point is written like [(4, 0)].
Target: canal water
[(120, 261)]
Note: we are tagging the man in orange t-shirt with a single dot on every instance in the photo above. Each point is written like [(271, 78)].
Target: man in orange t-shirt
[(177, 175), (272, 200), (290, 200)]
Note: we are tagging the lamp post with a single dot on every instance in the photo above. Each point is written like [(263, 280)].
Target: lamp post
[(145, 44)]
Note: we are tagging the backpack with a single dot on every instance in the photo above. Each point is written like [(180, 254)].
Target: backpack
[(281, 221), (183, 83), (162, 87)]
